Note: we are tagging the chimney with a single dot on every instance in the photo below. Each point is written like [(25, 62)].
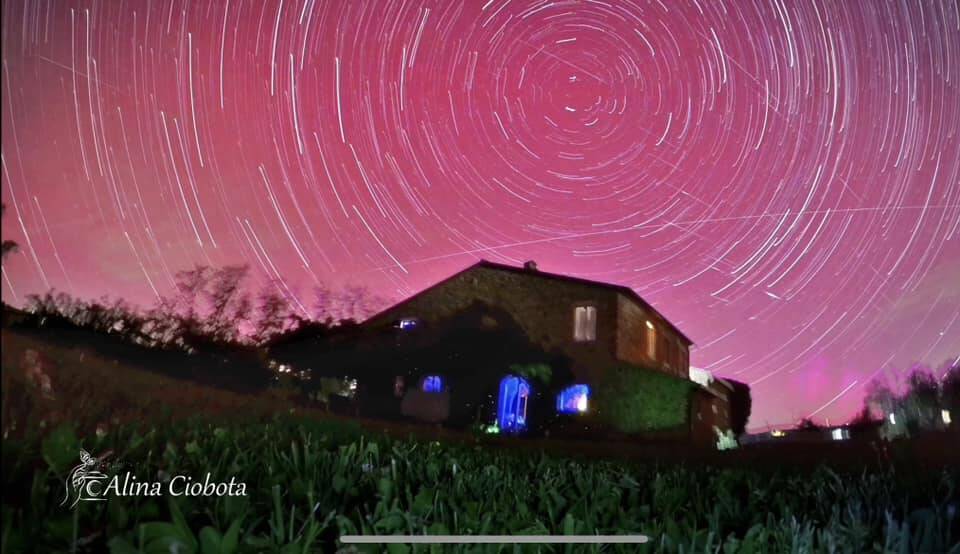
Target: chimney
[(530, 265)]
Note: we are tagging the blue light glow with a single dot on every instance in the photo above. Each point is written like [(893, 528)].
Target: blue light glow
[(407, 323), (573, 400), (512, 404), (432, 383)]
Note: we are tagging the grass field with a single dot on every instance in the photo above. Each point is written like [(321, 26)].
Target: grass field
[(311, 477)]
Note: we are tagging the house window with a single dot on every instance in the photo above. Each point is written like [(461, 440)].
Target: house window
[(407, 323), (651, 341), (432, 383), (585, 323), (573, 400)]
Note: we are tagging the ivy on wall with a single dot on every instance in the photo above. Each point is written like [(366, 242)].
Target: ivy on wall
[(533, 372), (633, 399)]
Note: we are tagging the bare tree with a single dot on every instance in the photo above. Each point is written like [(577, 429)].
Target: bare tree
[(324, 304), (190, 284), (228, 305), (920, 404), (274, 314), (950, 384), (9, 246), (354, 303)]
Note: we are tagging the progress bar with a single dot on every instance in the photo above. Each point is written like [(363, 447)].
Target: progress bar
[(494, 539)]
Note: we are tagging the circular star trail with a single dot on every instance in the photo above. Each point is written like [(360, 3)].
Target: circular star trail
[(780, 179)]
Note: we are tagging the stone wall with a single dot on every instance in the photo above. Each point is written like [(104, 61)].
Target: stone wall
[(671, 353), (543, 307), (706, 412), (432, 407)]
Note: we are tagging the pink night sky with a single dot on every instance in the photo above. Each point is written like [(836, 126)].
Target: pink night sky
[(780, 179)]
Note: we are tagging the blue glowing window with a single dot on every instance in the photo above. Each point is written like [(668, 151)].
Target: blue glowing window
[(573, 400), (432, 383), (407, 323), (512, 404)]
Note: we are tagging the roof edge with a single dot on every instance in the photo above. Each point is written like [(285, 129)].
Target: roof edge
[(623, 289), (627, 291)]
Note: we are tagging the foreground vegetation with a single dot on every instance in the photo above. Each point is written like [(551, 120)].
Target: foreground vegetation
[(310, 479), (309, 482)]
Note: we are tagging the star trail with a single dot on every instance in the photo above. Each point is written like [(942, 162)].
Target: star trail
[(781, 179)]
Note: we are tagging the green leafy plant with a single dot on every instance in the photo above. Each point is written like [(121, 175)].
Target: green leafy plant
[(533, 372), (633, 399), (312, 478), (310, 481)]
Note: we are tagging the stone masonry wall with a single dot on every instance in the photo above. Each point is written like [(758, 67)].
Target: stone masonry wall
[(544, 307), (671, 352)]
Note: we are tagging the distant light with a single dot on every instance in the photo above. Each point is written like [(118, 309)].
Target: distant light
[(407, 323), (777, 433), (893, 419), (840, 434), (649, 325), (945, 414)]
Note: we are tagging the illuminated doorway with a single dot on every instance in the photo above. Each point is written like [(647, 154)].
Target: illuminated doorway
[(512, 404)]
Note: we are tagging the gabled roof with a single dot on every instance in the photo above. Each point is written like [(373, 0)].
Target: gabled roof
[(537, 274)]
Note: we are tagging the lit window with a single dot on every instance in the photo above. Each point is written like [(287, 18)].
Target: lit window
[(651, 341), (585, 323), (945, 415), (573, 400), (840, 434), (407, 323), (432, 383)]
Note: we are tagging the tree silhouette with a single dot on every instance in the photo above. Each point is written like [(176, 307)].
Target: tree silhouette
[(323, 307), (807, 424), (227, 304), (352, 303), (9, 246), (740, 406), (950, 386), (918, 403), (274, 315)]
